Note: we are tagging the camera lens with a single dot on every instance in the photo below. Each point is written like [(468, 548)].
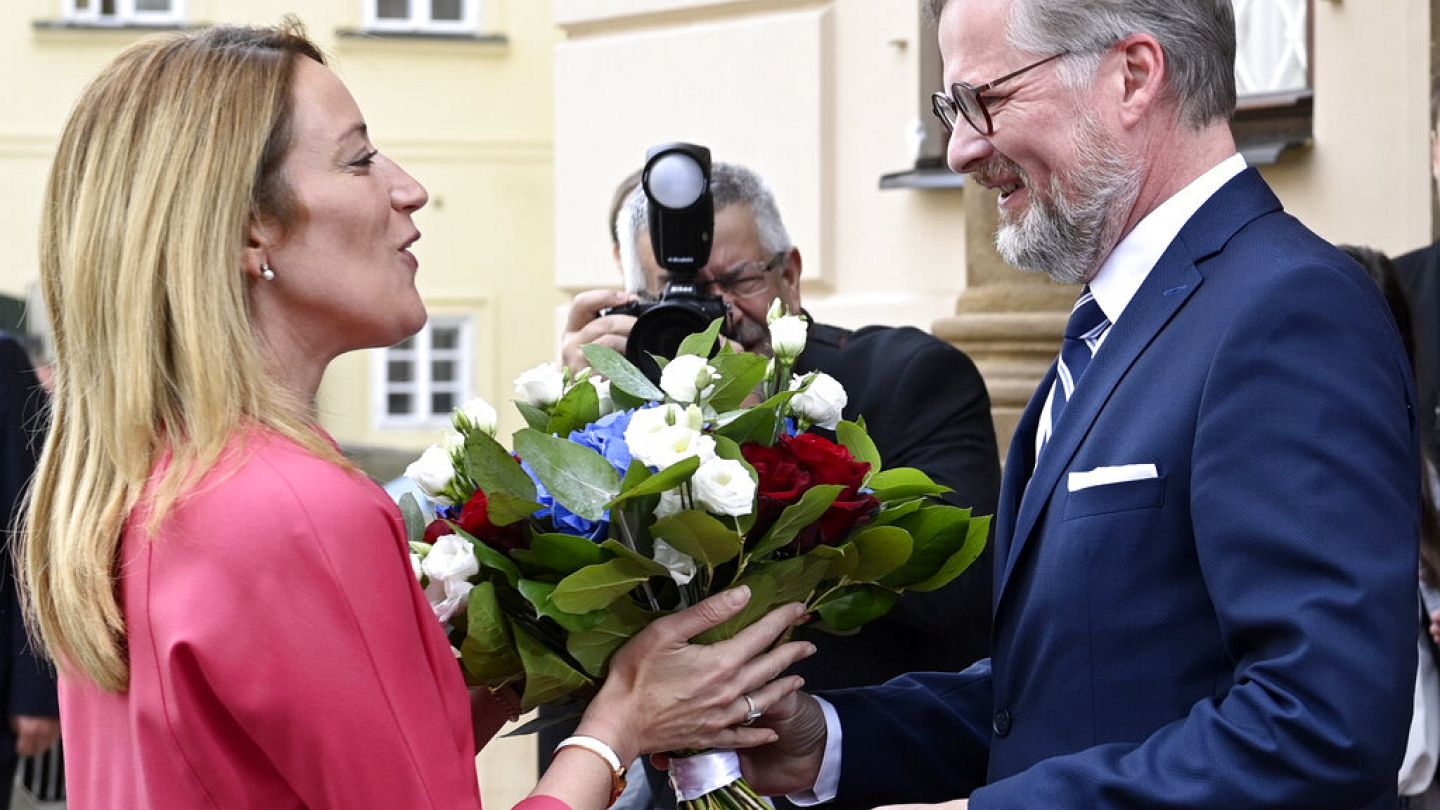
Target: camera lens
[(660, 332)]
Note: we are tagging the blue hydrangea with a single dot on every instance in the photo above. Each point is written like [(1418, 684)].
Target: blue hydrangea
[(606, 437)]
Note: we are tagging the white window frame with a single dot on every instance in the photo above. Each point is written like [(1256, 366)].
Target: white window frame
[(423, 386), (419, 20), (125, 13), (1281, 28)]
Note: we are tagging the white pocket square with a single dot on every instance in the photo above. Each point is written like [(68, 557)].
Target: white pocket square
[(1100, 476)]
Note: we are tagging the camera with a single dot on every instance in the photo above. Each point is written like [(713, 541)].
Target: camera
[(681, 215)]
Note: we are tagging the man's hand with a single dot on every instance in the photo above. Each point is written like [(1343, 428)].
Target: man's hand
[(33, 735), (791, 763), (585, 326)]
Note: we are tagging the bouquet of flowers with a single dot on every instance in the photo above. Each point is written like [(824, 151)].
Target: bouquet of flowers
[(625, 500)]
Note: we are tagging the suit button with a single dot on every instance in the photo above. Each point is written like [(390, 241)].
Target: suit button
[(1001, 724)]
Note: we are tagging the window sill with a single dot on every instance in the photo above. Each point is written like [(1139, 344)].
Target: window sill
[(1266, 127), (436, 36), (929, 174), (122, 25)]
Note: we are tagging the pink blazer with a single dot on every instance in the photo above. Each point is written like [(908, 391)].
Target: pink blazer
[(282, 655)]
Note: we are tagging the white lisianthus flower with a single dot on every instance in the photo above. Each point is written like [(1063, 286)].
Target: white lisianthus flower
[(415, 564), (681, 565), (541, 386), (674, 444), (724, 487), (820, 401), (602, 391), (776, 311), (477, 414), (453, 441), (449, 565), (787, 337), (433, 472), (688, 378), (670, 503)]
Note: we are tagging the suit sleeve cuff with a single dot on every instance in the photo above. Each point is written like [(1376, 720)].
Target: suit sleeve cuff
[(827, 784)]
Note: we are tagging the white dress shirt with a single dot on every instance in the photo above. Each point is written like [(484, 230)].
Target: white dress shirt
[(1113, 286)]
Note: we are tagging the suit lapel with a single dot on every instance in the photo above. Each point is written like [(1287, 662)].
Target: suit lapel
[(1167, 288)]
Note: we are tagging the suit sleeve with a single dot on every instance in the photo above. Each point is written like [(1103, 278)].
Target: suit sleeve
[(938, 421), (285, 614), (1303, 496)]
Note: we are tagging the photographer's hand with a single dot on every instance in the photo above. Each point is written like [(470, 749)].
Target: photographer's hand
[(585, 325)]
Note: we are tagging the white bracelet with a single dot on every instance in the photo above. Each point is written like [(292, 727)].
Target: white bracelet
[(597, 746)]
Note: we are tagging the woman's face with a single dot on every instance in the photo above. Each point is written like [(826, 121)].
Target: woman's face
[(344, 277)]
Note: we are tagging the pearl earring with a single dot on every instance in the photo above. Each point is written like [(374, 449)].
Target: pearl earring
[(265, 271)]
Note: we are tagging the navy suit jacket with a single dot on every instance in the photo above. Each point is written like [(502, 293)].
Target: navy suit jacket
[(1236, 632)]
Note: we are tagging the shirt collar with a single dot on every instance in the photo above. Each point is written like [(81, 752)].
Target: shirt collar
[(1131, 261)]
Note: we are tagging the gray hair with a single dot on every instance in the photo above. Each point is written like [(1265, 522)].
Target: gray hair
[(1198, 37), (730, 184)]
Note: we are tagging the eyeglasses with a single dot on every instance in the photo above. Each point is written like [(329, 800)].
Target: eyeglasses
[(966, 100), (747, 279)]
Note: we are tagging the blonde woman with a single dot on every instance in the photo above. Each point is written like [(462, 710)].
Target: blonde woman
[(230, 602)]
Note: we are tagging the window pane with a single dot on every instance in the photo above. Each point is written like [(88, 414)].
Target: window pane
[(444, 337), (162, 6), (399, 371), (407, 343), (397, 404), (445, 10), (82, 5), (392, 9), (442, 371), (1272, 39), (107, 8), (442, 402)]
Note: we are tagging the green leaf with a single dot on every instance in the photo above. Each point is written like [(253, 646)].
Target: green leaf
[(577, 477), (596, 586), (796, 517), (881, 549), (896, 511), (757, 424), (579, 407), (592, 649), (565, 553), (622, 373), (539, 595), (861, 446), (796, 578), (494, 469), (624, 400), (535, 417), (740, 375), (700, 344), (490, 558), (851, 608), (547, 677), (488, 653), (635, 475), (939, 531), (667, 479), (977, 534), (641, 562), (762, 600), (701, 536), (903, 482), (414, 518), (505, 509)]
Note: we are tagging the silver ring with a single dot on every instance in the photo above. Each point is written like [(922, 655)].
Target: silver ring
[(754, 711)]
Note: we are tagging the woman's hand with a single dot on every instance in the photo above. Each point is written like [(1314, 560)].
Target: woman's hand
[(663, 693)]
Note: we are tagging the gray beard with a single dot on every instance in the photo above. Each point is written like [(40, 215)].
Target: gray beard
[(1068, 235)]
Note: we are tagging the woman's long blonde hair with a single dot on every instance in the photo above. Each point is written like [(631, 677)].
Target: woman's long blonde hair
[(168, 158)]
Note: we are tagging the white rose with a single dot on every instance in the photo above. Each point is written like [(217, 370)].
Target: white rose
[(787, 337), (820, 401), (688, 378), (680, 564), (451, 558), (446, 597), (433, 472), (602, 392), (723, 486), (775, 312), (477, 414), (653, 420), (670, 446), (541, 386)]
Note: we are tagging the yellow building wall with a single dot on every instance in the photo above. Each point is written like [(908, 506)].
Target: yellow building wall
[(470, 119)]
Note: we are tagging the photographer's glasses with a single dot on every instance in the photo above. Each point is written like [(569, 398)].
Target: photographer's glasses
[(968, 101), (745, 280)]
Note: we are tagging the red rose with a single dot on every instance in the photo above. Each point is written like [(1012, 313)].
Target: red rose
[(475, 519), (795, 465)]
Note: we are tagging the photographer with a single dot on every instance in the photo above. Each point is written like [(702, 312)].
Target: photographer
[(924, 403)]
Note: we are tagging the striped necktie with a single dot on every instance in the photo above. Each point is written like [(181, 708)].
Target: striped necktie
[(1087, 326)]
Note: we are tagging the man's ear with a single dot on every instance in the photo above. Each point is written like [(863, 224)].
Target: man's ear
[(261, 236), (1143, 76), (790, 280)]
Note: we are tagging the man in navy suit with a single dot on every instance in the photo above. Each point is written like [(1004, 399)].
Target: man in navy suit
[(1206, 538)]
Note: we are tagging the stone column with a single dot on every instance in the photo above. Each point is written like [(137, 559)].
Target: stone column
[(1009, 322)]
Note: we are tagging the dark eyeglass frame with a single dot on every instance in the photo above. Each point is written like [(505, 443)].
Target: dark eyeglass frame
[(949, 106), (727, 286)]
